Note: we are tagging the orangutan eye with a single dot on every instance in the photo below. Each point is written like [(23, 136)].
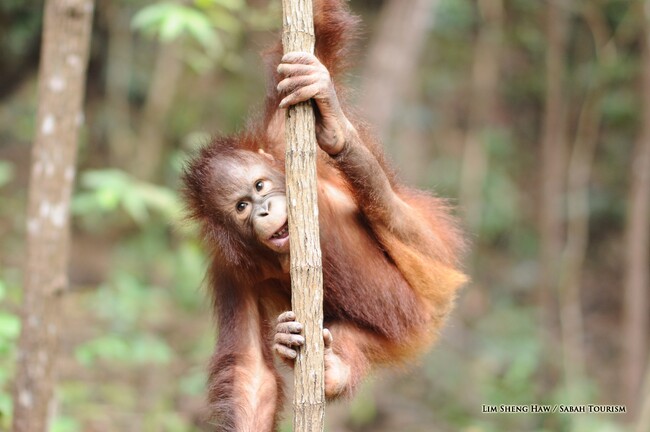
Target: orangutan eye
[(241, 206), (259, 185)]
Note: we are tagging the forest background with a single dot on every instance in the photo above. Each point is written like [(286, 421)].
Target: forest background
[(532, 116)]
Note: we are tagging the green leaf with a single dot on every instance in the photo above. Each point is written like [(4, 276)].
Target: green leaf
[(135, 207), (152, 15), (200, 28), (108, 198), (113, 189), (160, 199), (9, 326), (171, 27), (170, 21), (108, 178)]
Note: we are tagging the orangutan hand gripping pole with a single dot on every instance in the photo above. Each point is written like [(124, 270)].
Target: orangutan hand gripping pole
[(390, 253)]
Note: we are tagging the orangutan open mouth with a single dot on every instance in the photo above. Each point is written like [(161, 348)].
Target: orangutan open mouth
[(283, 232)]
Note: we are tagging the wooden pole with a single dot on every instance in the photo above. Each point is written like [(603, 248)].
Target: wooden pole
[(302, 208)]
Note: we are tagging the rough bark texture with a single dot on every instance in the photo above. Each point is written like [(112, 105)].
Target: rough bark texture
[(637, 245), (62, 76), (302, 208)]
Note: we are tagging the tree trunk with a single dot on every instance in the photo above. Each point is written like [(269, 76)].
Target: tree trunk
[(160, 97), (482, 108), (552, 172), (392, 58), (578, 180), (575, 249), (305, 254), (121, 138), (62, 76), (637, 244), (643, 423)]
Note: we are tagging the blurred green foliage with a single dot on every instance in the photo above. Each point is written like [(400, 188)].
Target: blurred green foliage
[(212, 25), (502, 369), (106, 191), (170, 20), (9, 331), (6, 172)]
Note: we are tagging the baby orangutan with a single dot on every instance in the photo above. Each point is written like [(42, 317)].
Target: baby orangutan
[(390, 253)]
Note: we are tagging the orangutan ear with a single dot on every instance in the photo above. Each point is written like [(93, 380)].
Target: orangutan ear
[(268, 156)]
